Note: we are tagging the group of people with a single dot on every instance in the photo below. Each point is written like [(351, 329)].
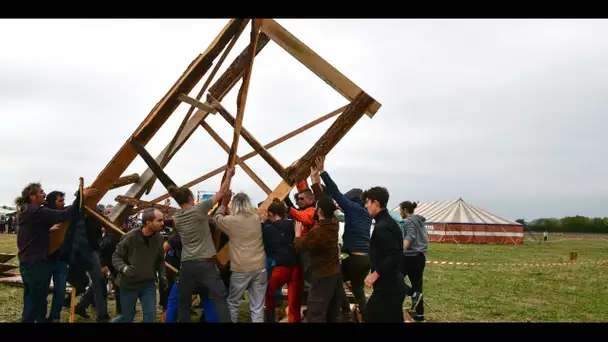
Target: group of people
[(8, 224), (282, 244)]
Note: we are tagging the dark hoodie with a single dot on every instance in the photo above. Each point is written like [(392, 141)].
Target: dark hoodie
[(33, 237), (357, 221), (415, 233), (278, 239)]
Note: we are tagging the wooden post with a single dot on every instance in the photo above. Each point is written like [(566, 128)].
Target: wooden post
[(239, 161), (255, 153), (72, 304), (242, 96), (301, 169)]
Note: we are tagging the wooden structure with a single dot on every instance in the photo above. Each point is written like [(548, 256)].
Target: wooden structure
[(262, 32)]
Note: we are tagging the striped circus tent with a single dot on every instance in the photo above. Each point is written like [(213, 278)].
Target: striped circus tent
[(460, 222)]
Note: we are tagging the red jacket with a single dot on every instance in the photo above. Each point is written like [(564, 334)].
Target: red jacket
[(306, 215)]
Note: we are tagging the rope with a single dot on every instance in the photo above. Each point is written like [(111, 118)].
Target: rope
[(435, 312)]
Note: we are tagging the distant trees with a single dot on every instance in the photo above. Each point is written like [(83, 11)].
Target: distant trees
[(578, 224)]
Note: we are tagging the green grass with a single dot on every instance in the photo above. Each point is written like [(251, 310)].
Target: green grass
[(574, 293)]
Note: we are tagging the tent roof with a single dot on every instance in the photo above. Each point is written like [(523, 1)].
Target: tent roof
[(7, 211), (458, 211)]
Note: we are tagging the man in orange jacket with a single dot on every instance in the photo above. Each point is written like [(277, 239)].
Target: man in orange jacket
[(305, 214)]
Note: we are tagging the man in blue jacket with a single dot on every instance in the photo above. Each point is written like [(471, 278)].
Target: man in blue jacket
[(355, 239)]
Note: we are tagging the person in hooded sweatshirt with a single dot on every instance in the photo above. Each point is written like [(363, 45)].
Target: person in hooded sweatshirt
[(278, 235), (415, 245), (356, 236), (35, 224)]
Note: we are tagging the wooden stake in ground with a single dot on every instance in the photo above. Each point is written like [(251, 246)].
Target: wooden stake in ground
[(72, 304)]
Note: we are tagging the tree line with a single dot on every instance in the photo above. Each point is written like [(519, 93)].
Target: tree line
[(577, 224)]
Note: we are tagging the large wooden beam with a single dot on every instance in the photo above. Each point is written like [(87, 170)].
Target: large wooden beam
[(255, 153), (158, 171), (125, 180), (141, 205), (161, 112), (314, 62), (219, 89), (255, 144), (301, 169), (239, 161), (242, 97), (165, 158), (110, 225)]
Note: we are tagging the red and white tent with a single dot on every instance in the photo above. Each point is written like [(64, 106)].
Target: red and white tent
[(460, 222)]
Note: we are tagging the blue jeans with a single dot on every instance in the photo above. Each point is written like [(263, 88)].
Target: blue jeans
[(173, 302), (128, 298), (59, 273), (36, 279)]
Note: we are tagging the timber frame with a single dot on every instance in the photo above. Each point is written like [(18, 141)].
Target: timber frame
[(262, 32)]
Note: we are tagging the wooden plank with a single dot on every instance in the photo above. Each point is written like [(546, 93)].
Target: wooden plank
[(110, 225), (7, 267), (255, 144), (280, 192), (161, 112), (125, 180), (242, 96), (196, 103), (255, 153), (301, 169), (158, 171), (4, 257), (227, 50), (314, 62), (219, 89), (239, 161), (141, 205)]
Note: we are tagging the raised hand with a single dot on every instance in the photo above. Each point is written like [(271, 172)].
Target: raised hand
[(230, 172), (320, 163), (315, 177), (298, 228), (89, 192)]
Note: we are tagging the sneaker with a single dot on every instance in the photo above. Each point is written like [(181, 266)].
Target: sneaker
[(103, 319), (418, 318), (416, 297)]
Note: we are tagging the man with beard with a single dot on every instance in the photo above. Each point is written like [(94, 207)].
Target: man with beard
[(33, 238)]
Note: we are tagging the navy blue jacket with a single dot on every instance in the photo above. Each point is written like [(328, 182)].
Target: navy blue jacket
[(278, 239), (357, 221)]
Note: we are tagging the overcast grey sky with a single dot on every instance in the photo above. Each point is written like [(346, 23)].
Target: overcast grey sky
[(507, 114)]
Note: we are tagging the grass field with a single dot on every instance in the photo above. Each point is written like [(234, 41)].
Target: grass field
[(456, 293)]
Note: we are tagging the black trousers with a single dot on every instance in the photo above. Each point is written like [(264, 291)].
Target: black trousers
[(324, 300), (97, 292), (204, 274), (384, 307), (413, 268), (354, 269)]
